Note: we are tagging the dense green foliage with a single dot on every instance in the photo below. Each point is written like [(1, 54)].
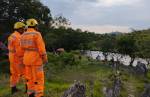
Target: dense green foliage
[(14, 10), (69, 39)]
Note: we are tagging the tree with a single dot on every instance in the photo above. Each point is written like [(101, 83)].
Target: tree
[(14, 10), (107, 45), (126, 46), (143, 44), (60, 22)]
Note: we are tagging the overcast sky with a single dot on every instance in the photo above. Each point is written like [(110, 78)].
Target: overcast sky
[(103, 15)]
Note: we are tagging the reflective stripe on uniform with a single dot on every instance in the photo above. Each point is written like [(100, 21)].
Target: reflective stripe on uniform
[(40, 68), (27, 33), (27, 43), (31, 49), (43, 54)]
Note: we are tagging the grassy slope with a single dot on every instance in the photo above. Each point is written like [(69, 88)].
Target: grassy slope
[(58, 79)]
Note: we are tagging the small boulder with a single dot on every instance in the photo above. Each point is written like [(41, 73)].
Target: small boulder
[(141, 69), (76, 90)]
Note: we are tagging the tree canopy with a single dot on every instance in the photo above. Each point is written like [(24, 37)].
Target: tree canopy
[(12, 11)]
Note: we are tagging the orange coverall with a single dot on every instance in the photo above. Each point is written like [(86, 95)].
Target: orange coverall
[(34, 52), (15, 58)]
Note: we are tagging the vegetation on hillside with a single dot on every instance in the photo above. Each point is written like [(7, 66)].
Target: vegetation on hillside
[(64, 69)]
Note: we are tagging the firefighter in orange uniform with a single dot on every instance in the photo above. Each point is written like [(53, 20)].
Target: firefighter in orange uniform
[(15, 56), (34, 58)]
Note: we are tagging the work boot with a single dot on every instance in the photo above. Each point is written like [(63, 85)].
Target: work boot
[(31, 95), (14, 90)]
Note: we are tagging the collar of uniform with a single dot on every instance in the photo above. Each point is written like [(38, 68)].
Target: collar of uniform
[(17, 33), (30, 30)]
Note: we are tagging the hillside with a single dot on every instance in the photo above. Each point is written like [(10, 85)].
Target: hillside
[(64, 69)]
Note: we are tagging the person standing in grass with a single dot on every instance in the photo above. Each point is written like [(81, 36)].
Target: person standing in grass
[(15, 56), (34, 58)]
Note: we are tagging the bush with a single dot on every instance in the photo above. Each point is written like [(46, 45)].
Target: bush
[(5, 64)]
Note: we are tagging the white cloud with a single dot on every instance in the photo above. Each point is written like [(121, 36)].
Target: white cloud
[(109, 3), (102, 28), (91, 14)]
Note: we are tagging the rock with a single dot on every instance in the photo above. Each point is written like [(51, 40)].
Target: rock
[(77, 90), (117, 87), (108, 92), (98, 57), (60, 50), (115, 90), (141, 69)]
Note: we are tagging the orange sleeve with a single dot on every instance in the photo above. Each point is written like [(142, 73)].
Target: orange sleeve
[(11, 46), (11, 49), (41, 45)]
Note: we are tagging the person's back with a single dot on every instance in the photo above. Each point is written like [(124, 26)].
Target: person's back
[(14, 46), (34, 58), (32, 44), (15, 55)]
